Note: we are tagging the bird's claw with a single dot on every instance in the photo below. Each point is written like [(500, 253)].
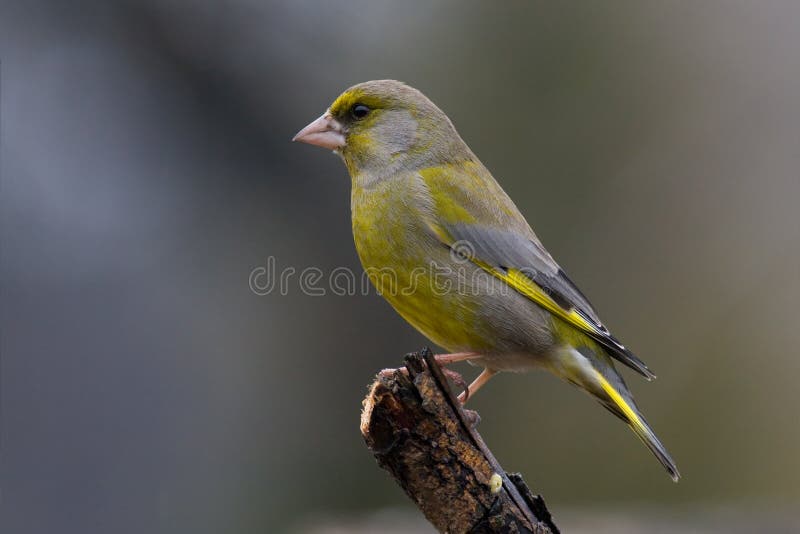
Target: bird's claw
[(459, 381)]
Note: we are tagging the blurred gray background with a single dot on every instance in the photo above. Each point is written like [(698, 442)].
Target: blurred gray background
[(147, 170)]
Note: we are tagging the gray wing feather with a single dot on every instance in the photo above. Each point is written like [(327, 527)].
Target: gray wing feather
[(506, 249)]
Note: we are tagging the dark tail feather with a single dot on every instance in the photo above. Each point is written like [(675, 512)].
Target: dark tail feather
[(621, 404)]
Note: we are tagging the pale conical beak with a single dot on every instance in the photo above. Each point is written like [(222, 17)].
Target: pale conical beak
[(326, 132)]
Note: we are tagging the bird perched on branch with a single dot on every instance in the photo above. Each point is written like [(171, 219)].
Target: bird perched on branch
[(449, 250)]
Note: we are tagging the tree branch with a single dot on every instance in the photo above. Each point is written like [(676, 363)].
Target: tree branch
[(420, 434)]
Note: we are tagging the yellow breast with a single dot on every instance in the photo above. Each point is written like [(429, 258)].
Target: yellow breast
[(409, 267)]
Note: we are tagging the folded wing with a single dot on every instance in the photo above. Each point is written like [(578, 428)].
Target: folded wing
[(523, 263)]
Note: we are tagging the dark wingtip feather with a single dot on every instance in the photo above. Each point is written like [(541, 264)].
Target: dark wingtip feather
[(636, 364), (674, 474), (628, 358), (647, 373)]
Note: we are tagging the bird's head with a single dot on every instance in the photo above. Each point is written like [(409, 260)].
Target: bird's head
[(384, 126)]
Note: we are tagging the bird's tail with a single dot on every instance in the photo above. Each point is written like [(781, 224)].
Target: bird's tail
[(592, 371)]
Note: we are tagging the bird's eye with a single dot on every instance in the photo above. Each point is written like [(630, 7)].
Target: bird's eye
[(359, 111)]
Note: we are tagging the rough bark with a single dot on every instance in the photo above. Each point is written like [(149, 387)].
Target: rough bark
[(420, 434)]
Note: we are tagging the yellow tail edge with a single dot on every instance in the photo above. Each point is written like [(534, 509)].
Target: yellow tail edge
[(639, 427)]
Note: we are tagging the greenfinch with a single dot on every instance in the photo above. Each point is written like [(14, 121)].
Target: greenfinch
[(445, 245)]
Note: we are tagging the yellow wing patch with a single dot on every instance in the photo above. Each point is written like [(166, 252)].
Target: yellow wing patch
[(524, 285)]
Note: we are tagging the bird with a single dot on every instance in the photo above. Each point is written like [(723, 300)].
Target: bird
[(449, 250)]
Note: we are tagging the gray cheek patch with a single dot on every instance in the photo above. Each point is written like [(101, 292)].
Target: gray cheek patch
[(396, 131)]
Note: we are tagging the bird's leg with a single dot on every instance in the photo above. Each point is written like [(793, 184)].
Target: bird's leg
[(443, 360), (473, 388), (447, 359), (456, 378)]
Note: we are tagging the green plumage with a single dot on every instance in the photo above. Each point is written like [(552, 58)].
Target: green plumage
[(450, 251)]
